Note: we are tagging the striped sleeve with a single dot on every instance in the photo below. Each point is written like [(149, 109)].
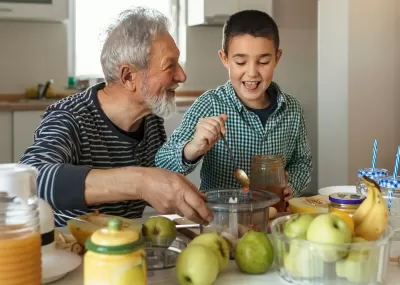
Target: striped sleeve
[(170, 155), (54, 152)]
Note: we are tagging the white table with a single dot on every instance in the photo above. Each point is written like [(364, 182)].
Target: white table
[(231, 276)]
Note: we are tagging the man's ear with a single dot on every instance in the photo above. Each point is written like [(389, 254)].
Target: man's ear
[(127, 77), (223, 57)]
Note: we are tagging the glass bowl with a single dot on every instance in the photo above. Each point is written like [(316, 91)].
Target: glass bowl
[(235, 212), (304, 262)]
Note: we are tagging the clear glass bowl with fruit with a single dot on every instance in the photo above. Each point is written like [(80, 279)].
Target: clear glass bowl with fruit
[(321, 248), (236, 212)]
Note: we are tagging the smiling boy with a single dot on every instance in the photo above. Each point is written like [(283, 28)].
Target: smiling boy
[(255, 115)]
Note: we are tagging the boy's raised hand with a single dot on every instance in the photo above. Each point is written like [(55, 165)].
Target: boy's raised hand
[(207, 134)]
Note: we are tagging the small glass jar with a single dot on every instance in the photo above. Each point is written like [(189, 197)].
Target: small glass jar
[(374, 174), (20, 238), (345, 202), (391, 186), (115, 255), (267, 173)]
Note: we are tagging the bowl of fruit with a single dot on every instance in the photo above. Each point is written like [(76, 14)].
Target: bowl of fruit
[(326, 248)]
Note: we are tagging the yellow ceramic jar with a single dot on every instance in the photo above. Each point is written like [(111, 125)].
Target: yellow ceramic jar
[(115, 256)]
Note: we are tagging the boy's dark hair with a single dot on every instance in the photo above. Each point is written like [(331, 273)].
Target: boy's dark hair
[(250, 22)]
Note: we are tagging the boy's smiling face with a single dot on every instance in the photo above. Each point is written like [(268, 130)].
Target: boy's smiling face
[(251, 62)]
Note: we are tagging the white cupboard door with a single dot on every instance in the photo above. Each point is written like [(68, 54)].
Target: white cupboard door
[(25, 124)]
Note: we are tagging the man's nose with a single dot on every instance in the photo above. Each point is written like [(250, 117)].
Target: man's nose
[(180, 75)]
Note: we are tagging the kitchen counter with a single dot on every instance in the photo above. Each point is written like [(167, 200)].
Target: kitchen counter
[(38, 105)]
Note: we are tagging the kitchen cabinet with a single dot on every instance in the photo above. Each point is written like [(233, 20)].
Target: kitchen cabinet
[(215, 13), (34, 10), (24, 125), (6, 143)]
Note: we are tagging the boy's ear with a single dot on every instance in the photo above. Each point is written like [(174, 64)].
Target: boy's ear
[(223, 57), (278, 56)]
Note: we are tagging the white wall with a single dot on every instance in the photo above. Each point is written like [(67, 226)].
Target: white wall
[(358, 88), (32, 53)]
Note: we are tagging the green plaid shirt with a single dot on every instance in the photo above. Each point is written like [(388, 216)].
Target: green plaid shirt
[(283, 134)]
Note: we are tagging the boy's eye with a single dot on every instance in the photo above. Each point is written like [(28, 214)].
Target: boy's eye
[(264, 63), (240, 63)]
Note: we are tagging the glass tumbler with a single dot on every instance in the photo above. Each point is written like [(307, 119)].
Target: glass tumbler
[(391, 186)]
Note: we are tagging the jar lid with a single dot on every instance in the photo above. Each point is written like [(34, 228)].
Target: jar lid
[(346, 198), (372, 173), (390, 182), (114, 239)]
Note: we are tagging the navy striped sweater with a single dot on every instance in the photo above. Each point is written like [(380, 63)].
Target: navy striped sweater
[(75, 136)]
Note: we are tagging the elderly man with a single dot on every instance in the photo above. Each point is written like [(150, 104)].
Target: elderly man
[(95, 150)]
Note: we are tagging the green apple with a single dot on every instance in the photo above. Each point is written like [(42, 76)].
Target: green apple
[(297, 226), (301, 262), (196, 265), (218, 244), (360, 266), (330, 231), (160, 230), (254, 253)]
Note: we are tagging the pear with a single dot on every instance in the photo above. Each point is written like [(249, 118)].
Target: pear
[(254, 253)]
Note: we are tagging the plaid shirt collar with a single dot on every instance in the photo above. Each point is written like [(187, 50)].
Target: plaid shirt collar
[(232, 97)]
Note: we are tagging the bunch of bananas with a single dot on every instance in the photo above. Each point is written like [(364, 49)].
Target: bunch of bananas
[(372, 217)]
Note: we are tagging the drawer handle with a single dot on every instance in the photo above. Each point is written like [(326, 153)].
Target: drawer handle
[(6, 10)]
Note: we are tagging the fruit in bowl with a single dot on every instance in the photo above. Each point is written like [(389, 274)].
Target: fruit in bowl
[(328, 230), (82, 230), (359, 266), (161, 231)]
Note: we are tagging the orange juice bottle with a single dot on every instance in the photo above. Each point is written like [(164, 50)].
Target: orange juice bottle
[(20, 239)]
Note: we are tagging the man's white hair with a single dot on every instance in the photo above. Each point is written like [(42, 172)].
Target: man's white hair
[(128, 40)]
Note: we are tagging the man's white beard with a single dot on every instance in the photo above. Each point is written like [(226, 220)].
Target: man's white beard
[(161, 105)]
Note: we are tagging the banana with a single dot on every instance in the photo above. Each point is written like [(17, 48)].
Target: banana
[(375, 222), (365, 207)]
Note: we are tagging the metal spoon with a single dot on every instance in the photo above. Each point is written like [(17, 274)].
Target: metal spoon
[(239, 174)]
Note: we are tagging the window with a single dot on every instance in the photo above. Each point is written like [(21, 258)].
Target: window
[(89, 18)]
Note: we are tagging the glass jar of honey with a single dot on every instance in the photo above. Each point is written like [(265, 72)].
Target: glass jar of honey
[(20, 238), (115, 256), (345, 202), (267, 173)]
